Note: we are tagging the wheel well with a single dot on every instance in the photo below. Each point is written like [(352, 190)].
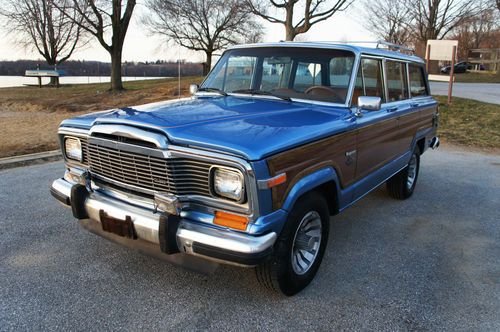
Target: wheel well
[(421, 145), (329, 191)]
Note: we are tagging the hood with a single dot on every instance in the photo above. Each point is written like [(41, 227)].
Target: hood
[(253, 128)]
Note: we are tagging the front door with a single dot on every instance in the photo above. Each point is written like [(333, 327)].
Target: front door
[(377, 141)]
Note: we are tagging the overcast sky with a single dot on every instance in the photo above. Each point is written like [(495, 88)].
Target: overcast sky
[(139, 46)]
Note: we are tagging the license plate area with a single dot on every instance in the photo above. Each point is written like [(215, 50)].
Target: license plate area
[(120, 227)]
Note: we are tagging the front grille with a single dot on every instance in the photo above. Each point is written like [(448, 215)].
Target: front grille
[(179, 176)]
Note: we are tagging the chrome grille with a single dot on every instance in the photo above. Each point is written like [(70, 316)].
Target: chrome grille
[(85, 151), (179, 176)]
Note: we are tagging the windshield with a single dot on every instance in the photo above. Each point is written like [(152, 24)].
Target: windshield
[(289, 72)]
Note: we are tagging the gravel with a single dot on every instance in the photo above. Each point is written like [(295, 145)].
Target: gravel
[(431, 262)]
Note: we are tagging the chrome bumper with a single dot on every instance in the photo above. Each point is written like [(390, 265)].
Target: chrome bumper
[(192, 237)]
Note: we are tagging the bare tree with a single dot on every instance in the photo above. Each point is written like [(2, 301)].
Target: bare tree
[(389, 20), (107, 21), (314, 11), (434, 19), (39, 25), (477, 30), (203, 25)]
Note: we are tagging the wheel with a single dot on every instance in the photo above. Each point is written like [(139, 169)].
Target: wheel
[(402, 184), (299, 249)]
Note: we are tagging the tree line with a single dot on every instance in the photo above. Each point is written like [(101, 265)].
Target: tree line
[(97, 68), (474, 24), (55, 28)]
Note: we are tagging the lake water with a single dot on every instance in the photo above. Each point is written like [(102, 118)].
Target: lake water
[(12, 81)]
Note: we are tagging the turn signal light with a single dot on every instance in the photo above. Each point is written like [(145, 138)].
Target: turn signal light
[(231, 220), (272, 182)]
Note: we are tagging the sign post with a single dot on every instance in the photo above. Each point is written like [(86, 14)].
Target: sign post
[(444, 50), (452, 72)]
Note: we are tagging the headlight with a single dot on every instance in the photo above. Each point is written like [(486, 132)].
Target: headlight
[(73, 148), (228, 183)]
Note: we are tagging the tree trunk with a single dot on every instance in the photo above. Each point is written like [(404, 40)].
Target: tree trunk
[(208, 63), (290, 33), (289, 30), (116, 71)]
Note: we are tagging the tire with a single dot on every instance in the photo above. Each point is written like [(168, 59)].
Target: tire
[(282, 272), (402, 185)]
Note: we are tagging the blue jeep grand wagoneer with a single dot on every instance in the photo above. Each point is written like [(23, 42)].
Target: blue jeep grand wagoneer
[(248, 171)]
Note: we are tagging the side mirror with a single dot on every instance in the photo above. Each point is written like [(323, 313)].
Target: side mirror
[(369, 103), (193, 88)]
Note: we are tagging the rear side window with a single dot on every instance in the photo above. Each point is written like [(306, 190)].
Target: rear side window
[(396, 81), (417, 81)]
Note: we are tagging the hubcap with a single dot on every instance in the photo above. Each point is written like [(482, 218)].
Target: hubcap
[(306, 242), (412, 172)]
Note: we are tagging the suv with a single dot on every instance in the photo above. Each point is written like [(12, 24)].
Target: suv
[(249, 170)]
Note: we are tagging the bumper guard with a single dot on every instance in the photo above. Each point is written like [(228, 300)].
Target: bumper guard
[(193, 238)]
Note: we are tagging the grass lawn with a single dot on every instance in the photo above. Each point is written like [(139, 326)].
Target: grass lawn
[(469, 122), (29, 116), (487, 77)]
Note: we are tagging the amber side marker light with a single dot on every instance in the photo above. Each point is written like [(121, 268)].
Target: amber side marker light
[(231, 220), (272, 182)]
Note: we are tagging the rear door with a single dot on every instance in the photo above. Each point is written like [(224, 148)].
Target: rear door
[(422, 107)]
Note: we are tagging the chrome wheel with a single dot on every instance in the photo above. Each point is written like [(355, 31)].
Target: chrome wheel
[(412, 172), (306, 242)]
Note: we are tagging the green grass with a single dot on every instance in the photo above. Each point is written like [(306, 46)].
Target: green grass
[(469, 122)]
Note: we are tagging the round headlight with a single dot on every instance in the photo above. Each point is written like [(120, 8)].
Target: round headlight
[(73, 148), (228, 183)]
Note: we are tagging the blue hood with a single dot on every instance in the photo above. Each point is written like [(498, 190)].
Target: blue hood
[(253, 128)]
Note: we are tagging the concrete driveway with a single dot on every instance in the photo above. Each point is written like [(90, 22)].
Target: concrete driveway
[(485, 92), (428, 263)]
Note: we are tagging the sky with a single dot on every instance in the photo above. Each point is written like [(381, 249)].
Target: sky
[(140, 46)]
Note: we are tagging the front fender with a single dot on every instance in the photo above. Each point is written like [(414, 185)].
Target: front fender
[(308, 183)]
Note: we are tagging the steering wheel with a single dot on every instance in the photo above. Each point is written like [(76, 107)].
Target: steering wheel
[(319, 88), (323, 91)]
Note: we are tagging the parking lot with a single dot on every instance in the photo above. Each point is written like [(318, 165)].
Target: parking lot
[(431, 262)]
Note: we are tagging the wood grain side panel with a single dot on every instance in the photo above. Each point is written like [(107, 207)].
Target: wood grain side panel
[(377, 145), (308, 158), (411, 124)]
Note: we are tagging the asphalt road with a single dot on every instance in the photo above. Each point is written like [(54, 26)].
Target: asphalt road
[(428, 263), (485, 92)]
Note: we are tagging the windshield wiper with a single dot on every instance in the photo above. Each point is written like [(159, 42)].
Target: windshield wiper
[(208, 89), (262, 93)]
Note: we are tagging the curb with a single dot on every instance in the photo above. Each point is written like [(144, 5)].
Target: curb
[(30, 159)]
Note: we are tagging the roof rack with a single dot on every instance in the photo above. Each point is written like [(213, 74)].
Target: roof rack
[(390, 46)]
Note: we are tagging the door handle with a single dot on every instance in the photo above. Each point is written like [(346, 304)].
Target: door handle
[(392, 109), (414, 104)]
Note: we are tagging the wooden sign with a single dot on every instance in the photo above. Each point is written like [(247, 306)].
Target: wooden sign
[(441, 49)]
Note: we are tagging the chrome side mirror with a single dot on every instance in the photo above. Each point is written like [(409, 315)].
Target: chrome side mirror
[(193, 88), (369, 103)]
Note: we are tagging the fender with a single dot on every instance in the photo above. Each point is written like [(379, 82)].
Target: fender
[(308, 183)]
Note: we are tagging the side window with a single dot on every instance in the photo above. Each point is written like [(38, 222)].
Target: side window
[(417, 81), (372, 77), (358, 87), (308, 74), (396, 81), (239, 73)]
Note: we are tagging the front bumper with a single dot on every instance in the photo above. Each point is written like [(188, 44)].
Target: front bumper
[(189, 237)]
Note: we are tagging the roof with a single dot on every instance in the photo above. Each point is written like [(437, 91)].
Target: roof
[(332, 45)]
